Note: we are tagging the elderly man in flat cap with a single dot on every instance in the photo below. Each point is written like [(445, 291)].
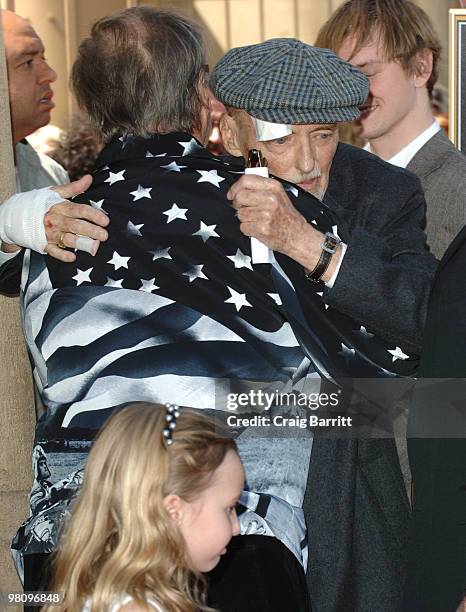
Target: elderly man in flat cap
[(286, 99)]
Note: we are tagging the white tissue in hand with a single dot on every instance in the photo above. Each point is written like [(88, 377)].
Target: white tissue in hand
[(260, 253)]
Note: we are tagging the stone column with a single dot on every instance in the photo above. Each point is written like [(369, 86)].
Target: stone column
[(16, 399)]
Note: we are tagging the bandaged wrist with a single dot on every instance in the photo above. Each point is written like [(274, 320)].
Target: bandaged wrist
[(22, 218)]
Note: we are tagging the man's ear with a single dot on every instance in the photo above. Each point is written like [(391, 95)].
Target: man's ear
[(229, 131), (174, 507), (423, 70)]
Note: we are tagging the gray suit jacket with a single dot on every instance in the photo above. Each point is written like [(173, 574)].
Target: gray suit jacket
[(442, 171)]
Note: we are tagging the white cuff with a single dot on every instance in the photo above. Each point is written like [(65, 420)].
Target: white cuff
[(332, 280), (22, 218)]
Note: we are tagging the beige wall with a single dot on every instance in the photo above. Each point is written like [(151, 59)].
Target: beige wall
[(231, 23), (228, 23)]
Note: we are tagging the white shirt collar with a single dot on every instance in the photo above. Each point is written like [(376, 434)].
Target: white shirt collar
[(403, 157)]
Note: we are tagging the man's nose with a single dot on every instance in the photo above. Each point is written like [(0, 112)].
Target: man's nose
[(47, 74), (306, 158)]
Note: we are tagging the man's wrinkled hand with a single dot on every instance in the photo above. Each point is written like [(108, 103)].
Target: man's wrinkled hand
[(266, 212), (65, 220)]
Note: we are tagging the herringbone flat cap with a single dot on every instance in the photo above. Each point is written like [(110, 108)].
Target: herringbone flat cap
[(283, 80)]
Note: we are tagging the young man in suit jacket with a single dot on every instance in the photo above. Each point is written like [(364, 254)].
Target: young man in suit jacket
[(395, 45)]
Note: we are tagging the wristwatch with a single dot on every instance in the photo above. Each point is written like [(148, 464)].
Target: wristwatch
[(329, 246)]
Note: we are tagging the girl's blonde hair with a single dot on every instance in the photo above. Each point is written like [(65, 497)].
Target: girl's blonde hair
[(120, 538)]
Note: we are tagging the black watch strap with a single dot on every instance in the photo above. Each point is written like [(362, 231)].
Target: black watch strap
[(329, 246)]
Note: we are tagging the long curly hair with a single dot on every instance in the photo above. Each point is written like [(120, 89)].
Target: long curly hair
[(120, 539)]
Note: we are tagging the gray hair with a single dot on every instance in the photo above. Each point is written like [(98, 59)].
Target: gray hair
[(141, 71)]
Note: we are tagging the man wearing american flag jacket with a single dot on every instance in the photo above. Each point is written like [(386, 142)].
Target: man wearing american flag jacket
[(172, 308)]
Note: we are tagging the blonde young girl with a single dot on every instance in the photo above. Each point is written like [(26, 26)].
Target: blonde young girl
[(156, 509)]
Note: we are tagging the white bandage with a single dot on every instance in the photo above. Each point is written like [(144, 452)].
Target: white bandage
[(84, 243), (22, 218), (270, 131), (22, 221)]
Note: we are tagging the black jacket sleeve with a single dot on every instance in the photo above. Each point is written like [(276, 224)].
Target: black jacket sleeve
[(387, 272), (10, 275)]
